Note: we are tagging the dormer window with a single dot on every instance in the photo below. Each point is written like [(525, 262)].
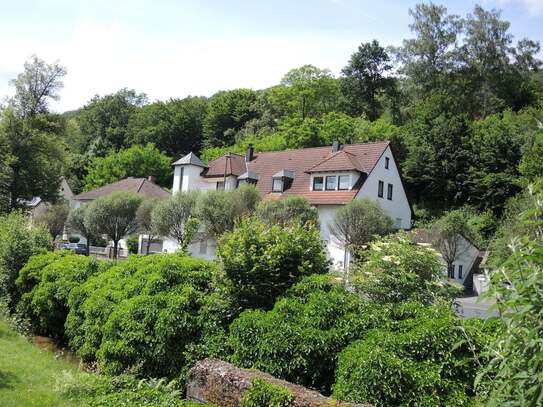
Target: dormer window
[(277, 185), (331, 182), (318, 183), (344, 182)]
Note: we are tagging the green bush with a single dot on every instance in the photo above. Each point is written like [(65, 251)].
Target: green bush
[(300, 338), (19, 240), (395, 269), (45, 284), (261, 263), (143, 313), (92, 390), (264, 394), (429, 357), (287, 211)]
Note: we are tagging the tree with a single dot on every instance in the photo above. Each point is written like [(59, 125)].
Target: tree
[(287, 211), (175, 218), (104, 120), (38, 83), (364, 80), (145, 222), (227, 113), (448, 235), (113, 215), (430, 59), (531, 165), (136, 161), (219, 211), (260, 263), (5, 175), (307, 92), (359, 222), (76, 221), (54, 218), (175, 127)]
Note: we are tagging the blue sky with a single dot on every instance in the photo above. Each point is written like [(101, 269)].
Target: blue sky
[(175, 48)]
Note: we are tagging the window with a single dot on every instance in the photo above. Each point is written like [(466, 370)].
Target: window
[(389, 192), (380, 189), (203, 246), (181, 178), (318, 183), (387, 162), (460, 267), (277, 185), (451, 271), (331, 182), (344, 182), (220, 186)]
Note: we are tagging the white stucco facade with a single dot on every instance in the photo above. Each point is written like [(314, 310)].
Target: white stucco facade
[(467, 254)]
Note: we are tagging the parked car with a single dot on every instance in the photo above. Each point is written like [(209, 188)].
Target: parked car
[(77, 248)]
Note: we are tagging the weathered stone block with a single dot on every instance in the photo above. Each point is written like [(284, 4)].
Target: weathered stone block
[(217, 382)]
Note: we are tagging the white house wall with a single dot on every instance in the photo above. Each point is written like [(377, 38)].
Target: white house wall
[(334, 249), (467, 254), (398, 208)]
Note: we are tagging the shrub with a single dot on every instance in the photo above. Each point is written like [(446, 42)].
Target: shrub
[(300, 338), (395, 269), (45, 284), (359, 222), (287, 211), (92, 390), (19, 240), (261, 263), (264, 394), (142, 313), (428, 359)]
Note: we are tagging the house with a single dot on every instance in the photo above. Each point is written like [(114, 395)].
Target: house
[(37, 206), (467, 257), (328, 177), (146, 187)]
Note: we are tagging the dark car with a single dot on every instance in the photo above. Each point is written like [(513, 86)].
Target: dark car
[(77, 248)]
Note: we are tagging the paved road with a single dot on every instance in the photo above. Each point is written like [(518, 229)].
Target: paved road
[(475, 307)]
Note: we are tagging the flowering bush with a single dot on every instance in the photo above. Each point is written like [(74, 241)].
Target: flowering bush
[(395, 269)]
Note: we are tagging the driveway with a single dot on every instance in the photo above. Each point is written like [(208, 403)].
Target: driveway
[(475, 307)]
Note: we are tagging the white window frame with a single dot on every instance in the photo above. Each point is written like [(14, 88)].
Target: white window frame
[(274, 180), (348, 176), (313, 183)]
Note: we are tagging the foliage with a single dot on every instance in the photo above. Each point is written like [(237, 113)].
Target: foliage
[(104, 121), (113, 215), (359, 222), (38, 83), (54, 218), (261, 262), (287, 211), (531, 166), (92, 390), (364, 80), (264, 394), (300, 338), (227, 113), (429, 358), (144, 217), (132, 242), (138, 313), (175, 126), (19, 240), (76, 222), (395, 269), (220, 211), (515, 374), (44, 284), (136, 161), (174, 217)]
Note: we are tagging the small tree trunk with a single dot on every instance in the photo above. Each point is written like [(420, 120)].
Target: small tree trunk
[(115, 246), (148, 243), (88, 244)]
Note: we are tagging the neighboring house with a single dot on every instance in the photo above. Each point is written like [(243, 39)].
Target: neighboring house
[(328, 177), (146, 187), (37, 206), (467, 260)]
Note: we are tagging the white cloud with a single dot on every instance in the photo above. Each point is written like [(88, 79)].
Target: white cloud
[(102, 58), (534, 7)]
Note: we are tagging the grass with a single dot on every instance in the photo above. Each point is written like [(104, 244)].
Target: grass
[(27, 373)]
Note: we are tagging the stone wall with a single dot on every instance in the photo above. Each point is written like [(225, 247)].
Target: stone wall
[(220, 383)]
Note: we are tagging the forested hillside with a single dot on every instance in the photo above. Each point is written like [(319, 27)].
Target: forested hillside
[(461, 100)]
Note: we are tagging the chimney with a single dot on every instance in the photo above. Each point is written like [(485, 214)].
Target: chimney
[(151, 179), (335, 146), (249, 155)]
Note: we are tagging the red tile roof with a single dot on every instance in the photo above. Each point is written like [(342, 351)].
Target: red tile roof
[(140, 186), (359, 157)]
